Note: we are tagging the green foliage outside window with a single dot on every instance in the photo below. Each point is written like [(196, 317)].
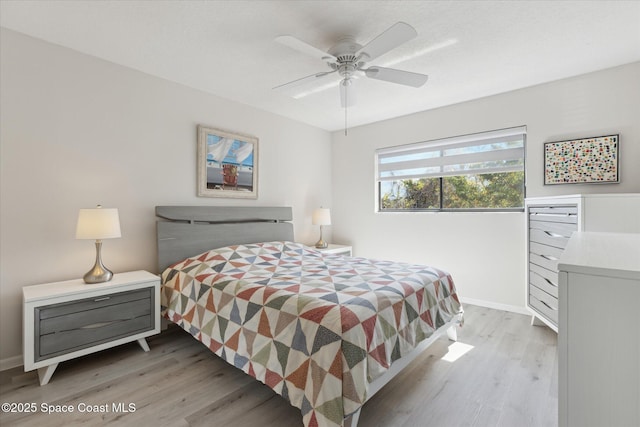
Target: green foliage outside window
[(465, 192)]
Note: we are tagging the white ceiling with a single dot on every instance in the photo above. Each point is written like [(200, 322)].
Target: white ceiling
[(469, 49)]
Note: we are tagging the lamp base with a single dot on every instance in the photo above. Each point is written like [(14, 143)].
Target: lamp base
[(99, 273), (321, 244)]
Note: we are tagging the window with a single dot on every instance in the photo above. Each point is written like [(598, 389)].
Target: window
[(483, 171)]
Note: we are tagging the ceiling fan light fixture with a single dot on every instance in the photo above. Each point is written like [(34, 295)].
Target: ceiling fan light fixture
[(347, 94)]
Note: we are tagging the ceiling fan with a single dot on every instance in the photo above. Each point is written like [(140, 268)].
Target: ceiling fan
[(349, 60)]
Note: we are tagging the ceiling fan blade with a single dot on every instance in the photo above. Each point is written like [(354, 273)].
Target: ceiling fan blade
[(396, 35), (303, 80), (303, 47), (396, 76), (347, 94)]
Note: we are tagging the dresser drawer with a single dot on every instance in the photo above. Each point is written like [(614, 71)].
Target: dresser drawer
[(548, 238), (550, 252), (556, 213), (543, 283), (70, 326), (553, 228), (544, 304), (550, 263), (552, 225)]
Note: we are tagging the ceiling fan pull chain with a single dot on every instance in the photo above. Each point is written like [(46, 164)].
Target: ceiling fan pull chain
[(346, 102)]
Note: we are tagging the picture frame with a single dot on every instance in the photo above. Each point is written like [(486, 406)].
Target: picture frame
[(227, 164), (592, 160)]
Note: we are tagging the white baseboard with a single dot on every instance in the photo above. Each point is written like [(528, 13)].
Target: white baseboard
[(496, 306), (10, 362)]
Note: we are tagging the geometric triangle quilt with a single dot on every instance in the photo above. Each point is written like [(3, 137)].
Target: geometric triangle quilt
[(316, 328)]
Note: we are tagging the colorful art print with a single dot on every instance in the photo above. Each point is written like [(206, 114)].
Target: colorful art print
[(582, 161), (227, 164)]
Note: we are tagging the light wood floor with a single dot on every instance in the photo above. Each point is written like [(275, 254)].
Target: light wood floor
[(508, 378)]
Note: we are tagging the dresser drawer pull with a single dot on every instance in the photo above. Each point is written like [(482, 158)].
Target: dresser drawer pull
[(101, 299), (547, 305), (549, 233)]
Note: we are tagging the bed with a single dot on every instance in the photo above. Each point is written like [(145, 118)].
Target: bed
[(324, 331)]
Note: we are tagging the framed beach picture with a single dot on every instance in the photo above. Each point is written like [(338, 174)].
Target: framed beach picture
[(582, 161), (227, 164)]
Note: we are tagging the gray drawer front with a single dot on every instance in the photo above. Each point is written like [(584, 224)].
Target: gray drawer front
[(93, 303), (67, 327), (88, 319), (67, 341)]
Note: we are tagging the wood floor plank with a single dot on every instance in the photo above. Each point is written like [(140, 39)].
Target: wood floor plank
[(243, 406), (507, 378)]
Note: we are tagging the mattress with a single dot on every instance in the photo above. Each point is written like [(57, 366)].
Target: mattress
[(316, 328)]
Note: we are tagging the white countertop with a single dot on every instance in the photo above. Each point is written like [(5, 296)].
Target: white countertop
[(616, 254)]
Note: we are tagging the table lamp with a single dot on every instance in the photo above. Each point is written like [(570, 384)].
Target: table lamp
[(98, 224), (321, 216)]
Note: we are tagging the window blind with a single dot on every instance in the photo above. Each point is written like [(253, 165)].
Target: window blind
[(487, 152)]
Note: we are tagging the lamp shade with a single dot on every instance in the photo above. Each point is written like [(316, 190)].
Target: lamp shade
[(321, 216), (98, 224)]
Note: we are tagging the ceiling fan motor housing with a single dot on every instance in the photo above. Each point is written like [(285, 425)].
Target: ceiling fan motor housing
[(345, 53)]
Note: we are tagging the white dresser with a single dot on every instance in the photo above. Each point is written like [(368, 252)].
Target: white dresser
[(550, 223), (599, 331)]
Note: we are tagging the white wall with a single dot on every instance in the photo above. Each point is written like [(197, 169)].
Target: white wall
[(77, 131), (485, 252)]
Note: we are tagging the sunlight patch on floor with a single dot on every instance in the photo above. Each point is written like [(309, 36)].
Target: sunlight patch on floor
[(456, 350)]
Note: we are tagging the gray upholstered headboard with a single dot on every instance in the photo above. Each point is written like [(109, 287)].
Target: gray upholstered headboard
[(185, 231)]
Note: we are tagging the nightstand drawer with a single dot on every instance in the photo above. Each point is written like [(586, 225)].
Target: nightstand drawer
[(70, 326), (77, 306)]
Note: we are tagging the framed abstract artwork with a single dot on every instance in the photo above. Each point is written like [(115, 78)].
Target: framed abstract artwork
[(227, 164), (582, 161)]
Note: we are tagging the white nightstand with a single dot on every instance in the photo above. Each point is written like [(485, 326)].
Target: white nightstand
[(336, 250), (65, 320)]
